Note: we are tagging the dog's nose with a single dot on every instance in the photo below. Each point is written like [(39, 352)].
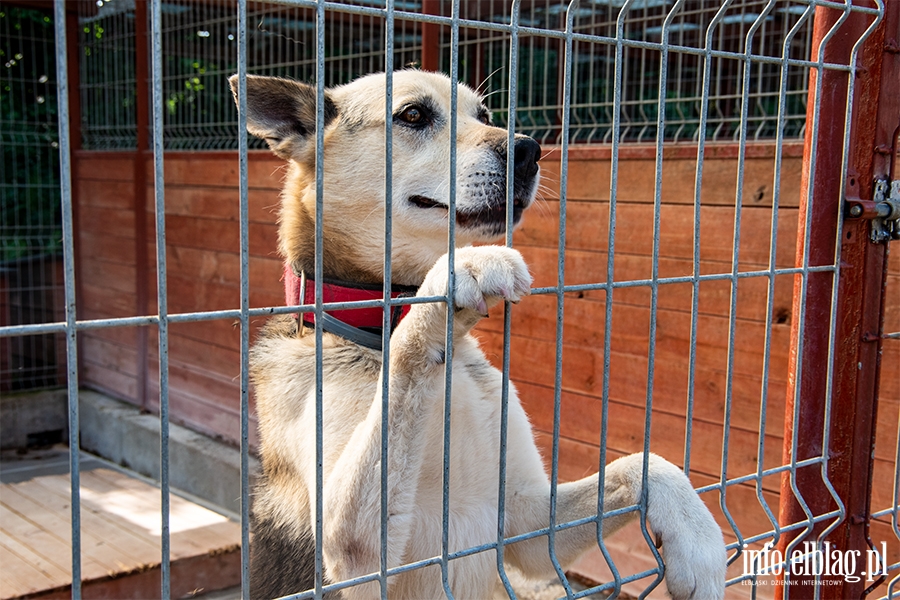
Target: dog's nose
[(527, 153)]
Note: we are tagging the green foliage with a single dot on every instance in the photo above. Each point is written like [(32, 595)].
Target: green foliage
[(186, 99), (29, 155)]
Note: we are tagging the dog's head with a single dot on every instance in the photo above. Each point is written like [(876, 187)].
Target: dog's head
[(283, 113)]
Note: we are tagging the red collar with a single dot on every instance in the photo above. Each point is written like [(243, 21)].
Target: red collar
[(368, 319)]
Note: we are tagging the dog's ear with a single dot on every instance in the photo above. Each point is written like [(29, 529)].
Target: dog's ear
[(282, 112)]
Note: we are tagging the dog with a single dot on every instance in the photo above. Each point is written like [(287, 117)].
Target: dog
[(283, 362)]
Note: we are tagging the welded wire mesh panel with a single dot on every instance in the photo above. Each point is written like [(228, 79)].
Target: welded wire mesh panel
[(540, 93), (662, 309), (199, 40), (200, 44), (106, 62), (199, 36), (30, 231)]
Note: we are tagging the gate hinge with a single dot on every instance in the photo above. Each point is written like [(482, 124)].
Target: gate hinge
[(883, 210)]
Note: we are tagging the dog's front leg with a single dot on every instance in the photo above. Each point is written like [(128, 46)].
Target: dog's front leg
[(484, 276), (691, 541)]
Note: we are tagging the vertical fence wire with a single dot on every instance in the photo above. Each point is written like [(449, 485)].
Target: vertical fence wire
[(451, 297), (654, 285), (515, 10), (773, 245), (816, 111), (65, 153), (387, 315), (319, 270), (560, 298), (698, 179), (616, 129), (733, 299), (244, 217), (770, 288), (162, 297)]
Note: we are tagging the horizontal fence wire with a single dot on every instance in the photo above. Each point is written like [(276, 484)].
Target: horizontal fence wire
[(657, 72), (85, 324)]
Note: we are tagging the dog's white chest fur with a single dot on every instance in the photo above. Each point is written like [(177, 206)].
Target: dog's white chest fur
[(474, 457)]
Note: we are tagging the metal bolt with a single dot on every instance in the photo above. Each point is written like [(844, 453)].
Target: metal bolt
[(855, 210)]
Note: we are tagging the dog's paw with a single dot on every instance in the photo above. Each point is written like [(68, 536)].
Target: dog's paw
[(692, 544), (485, 275), (695, 568)]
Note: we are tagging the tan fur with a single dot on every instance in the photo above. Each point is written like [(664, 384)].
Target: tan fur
[(283, 364)]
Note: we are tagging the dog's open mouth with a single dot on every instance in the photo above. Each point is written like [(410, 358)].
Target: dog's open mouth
[(492, 216)]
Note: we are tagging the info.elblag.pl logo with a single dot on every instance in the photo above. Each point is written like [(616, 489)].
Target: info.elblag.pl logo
[(812, 560)]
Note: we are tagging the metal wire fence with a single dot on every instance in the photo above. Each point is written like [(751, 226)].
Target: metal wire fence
[(638, 71), (200, 37), (30, 233), (200, 41), (539, 105)]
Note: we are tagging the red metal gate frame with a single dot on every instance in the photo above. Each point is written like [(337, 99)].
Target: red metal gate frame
[(861, 292)]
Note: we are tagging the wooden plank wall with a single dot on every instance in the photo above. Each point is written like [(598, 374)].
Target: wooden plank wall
[(106, 270), (533, 341), (202, 233), (203, 274)]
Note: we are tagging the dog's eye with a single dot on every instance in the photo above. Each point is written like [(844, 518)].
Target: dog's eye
[(412, 115), (484, 116)]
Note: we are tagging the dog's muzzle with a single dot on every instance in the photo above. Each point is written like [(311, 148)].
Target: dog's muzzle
[(489, 213)]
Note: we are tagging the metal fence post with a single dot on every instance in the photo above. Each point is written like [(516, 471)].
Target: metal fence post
[(835, 343), (861, 292)]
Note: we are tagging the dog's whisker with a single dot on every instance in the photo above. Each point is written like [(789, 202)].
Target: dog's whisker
[(549, 178), (485, 80), (547, 189), (499, 91), (541, 205), (444, 186), (550, 153)]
